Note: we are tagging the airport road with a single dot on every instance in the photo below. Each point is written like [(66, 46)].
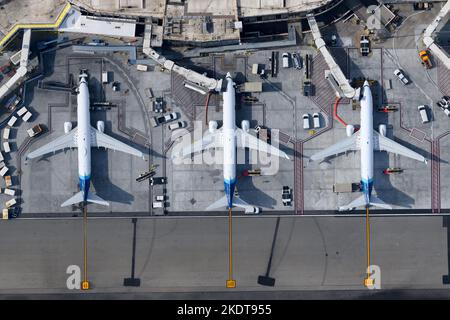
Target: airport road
[(190, 254)]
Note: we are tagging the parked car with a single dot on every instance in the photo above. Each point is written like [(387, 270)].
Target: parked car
[(298, 64), (157, 180), (364, 45), (177, 125), (158, 105), (252, 210), (306, 125), (401, 76), (286, 196), (423, 113), (156, 121), (444, 104), (316, 120), (169, 117), (34, 131), (285, 60)]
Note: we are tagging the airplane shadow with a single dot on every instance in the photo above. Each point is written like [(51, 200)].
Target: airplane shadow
[(100, 167), (247, 189)]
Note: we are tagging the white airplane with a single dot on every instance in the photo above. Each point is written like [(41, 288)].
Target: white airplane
[(229, 137), (83, 137), (367, 140)]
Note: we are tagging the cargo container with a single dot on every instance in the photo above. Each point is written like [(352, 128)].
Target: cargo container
[(12, 121), (27, 116), (8, 181), (6, 132), (6, 147), (3, 171), (9, 192), (22, 111), (141, 67), (10, 203)]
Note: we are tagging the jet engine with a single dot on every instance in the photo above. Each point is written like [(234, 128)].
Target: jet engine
[(212, 126), (382, 129), (101, 126), (245, 125), (350, 130), (67, 127)]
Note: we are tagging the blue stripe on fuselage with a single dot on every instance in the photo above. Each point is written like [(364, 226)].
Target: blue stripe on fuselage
[(229, 190), (366, 186), (85, 182)]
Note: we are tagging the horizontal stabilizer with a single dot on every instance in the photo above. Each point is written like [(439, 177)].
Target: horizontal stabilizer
[(222, 202), (358, 202), (77, 198)]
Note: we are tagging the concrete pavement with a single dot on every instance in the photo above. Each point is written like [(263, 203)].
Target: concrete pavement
[(191, 254)]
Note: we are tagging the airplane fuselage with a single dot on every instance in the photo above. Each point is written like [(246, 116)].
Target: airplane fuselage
[(229, 143), (366, 143), (84, 137)]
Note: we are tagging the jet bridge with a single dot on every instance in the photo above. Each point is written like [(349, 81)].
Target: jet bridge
[(334, 75), (429, 41), (191, 76)]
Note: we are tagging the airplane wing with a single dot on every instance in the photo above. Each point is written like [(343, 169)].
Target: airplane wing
[(382, 143), (66, 141), (209, 140), (246, 140), (348, 144), (99, 139)]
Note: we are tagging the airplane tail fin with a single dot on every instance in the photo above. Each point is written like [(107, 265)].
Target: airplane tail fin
[(377, 202), (77, 198), (223, 202)]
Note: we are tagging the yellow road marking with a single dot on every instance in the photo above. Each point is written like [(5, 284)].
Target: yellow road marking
[(16, 27), (85, 283), (368, 281), (230, 282)]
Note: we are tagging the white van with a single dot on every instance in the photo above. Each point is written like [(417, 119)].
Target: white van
[(285, 60), (316, 120), (423, 113), (306, 121)]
